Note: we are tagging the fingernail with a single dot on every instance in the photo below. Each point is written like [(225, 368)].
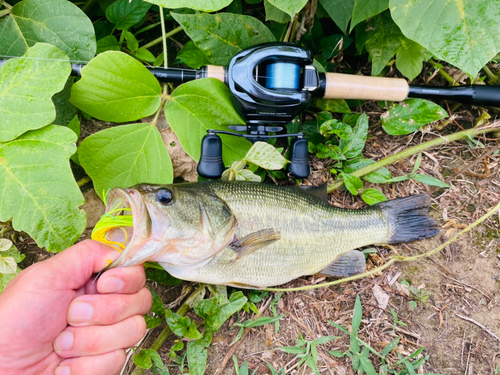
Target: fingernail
[(80, 312), (64, 341), (62, 370), (112, 285)]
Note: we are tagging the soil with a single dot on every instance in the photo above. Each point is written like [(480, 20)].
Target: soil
[(457, 296)]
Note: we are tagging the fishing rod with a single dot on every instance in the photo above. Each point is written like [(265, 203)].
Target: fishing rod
[(271, 83)]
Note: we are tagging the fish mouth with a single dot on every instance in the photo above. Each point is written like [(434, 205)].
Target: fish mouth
[(131, 237)]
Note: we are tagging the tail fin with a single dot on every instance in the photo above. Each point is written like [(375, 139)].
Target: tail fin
[(408, 219)]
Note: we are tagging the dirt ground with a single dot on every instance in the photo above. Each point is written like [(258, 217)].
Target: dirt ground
[(457, 315)]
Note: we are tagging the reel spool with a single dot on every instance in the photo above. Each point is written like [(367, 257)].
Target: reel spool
[(267, 103)]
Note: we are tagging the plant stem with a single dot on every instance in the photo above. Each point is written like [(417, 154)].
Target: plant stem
[(412, 151), (88, 5), (4, 12), (167, 331), (6, 4), (164, 39), (445, 75), (493, 78), (85, 180), (160, 39)]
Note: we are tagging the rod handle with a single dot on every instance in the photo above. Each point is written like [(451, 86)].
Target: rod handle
[(472, 94), (350, 86)]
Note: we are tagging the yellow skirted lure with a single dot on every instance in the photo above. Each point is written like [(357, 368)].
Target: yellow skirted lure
[(109, 221)]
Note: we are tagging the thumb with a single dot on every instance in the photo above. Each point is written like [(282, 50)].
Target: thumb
[(73, 267)]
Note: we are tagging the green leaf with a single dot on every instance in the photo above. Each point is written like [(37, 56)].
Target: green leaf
[(409, 116), (245, 175), (409, 59), (126, 13), (364, 9), (463, 33), (5, 245), (144, 55), (203, 104), (340, 11), (57, 22), (354, 145), (352, 183), (36, 177), (290, 7), (132, 42), (75, 126), (181, 325), (275, 14), (26, 87), (357, 316), (124, 156), (108, 43), (429, 180), (146, 357), (116, 87), (197, 354), (8, 265), (161, 276), (292, 349), (206, 5), (337, 354), (157, 306), (5, 279), (383, 40), (373, 196), (311, 363), (331, 105), (216, 311), (325, 339), (220, 36), (65, 111), (265, 156), (390, 347), (379, 176), (367, 365), (192, 56)]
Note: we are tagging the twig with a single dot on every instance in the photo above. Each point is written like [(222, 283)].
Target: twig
[(468, 285), (484, 155), (415, 150), (160, 39), (479, 325)]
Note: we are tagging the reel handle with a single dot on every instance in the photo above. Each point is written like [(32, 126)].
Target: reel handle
[(299, 166), (211, 164)]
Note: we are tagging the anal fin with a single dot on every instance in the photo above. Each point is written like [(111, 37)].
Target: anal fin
[(255, 241), (346, 265)]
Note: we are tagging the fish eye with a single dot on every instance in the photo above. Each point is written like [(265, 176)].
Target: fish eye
[(165, 196)]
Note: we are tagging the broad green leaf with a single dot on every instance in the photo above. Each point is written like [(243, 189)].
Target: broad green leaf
[(65, 111), (373, 196), (429, 180), (245, 175), (275, 14), (353, 146), (220, 36), (265, 156), (5, 244), (145, 357), (181, 325), (116, 87), (108, 43), (144, 55), (192, 56), (340, 11), (161, 276), (290, 7), (26, 87), (157, 306), (205, 5), (364, 9), (409, 116), (199, 105), (352, 183), (132, 42), (465, 33), (217, 310), (378, 177), (74, 125), (383, 40), (8, 265), (124, 156), (126, 13), (57, 22), (409, 59), (38, 188), (331, 105), (197, 354)]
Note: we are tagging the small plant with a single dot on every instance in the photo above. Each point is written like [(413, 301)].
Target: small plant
[(360, 358), (418, 295), (243, 370), (306, 351)]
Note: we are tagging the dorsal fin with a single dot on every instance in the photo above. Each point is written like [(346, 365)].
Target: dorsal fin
[(316, 191)]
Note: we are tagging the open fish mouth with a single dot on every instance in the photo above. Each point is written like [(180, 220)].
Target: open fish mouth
[(125, 225)]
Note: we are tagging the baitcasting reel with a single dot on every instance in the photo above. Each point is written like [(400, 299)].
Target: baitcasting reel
[(271, 84)]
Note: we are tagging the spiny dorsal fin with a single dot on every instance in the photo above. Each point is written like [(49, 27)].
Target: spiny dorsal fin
[(255, 241), (316, 191), (346, 265)]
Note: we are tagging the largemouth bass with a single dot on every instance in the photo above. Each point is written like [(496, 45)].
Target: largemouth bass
[(253, 235)]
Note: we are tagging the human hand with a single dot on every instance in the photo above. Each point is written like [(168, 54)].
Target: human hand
[(55, 320)]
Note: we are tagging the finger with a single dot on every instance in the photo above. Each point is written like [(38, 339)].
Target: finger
[(122, 280), (104, 364), (107, 309), (95, 340)]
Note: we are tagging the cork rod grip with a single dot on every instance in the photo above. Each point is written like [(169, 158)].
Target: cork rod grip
[(349, 86)]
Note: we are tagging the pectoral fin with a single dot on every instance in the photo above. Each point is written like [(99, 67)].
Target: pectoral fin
[(346, 265), (255, 241)]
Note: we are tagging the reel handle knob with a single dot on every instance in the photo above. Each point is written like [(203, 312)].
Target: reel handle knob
[(299, 166), (211, 164)]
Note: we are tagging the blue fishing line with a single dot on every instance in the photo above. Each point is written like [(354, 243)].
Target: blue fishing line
[(282, 75)]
